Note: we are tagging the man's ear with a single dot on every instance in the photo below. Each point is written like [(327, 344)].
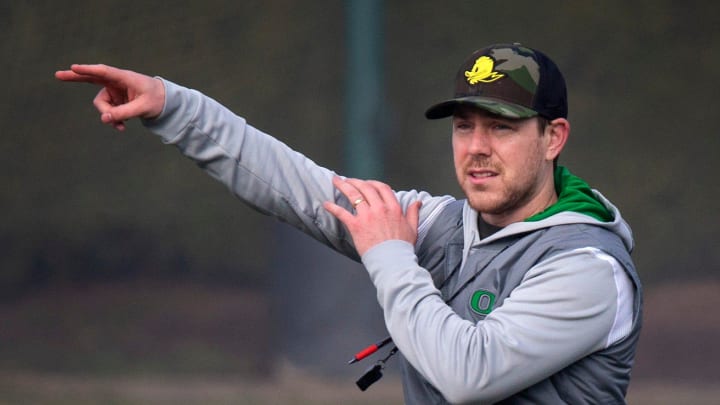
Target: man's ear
[(557, 131)]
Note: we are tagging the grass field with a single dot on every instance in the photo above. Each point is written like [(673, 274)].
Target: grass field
[(290, 386), (181, 344)]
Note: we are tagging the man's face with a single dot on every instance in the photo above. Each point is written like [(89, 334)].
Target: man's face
[(502, 165)]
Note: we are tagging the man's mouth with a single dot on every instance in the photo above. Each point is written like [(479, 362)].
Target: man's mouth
[(481, 171), (482, 174)]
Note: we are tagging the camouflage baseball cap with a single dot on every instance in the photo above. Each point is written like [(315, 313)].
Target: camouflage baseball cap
[(510, 80)]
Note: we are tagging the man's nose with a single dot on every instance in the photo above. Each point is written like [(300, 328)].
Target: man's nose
[(479, 143)]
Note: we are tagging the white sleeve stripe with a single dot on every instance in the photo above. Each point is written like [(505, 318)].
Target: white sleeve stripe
[(625, 297)]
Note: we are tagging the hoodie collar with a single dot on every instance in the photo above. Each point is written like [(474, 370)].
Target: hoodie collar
[(574, 195), (577, 203)]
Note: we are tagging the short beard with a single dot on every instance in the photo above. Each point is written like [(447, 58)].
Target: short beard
[(514, 199)]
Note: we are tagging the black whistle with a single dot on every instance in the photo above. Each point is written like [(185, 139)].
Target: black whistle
[(374, 373), (371, 376)]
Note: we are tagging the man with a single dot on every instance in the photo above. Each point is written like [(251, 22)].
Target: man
[(522, 293)]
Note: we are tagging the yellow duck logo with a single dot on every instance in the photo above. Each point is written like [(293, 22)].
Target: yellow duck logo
[(482, 71)]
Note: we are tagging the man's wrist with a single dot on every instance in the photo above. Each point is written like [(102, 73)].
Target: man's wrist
[(389, 255)]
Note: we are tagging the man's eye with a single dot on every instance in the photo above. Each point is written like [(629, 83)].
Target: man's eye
[(501, 127)]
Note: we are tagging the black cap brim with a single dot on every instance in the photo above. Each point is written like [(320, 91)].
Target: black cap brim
[(510, 110)]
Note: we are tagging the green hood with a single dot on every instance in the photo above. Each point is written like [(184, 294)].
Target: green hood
[(575, 195)]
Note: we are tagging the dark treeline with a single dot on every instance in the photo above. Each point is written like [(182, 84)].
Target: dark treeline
[(84, 203)]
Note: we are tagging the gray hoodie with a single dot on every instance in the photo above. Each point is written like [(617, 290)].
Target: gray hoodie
[(568, 304)]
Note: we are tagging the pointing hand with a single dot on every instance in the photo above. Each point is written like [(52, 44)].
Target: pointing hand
[(124, 95)]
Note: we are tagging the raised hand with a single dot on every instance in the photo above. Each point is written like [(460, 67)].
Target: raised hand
[(378, 215), (124, 95)]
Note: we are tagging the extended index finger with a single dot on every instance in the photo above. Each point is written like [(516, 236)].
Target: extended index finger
[(97, 74)]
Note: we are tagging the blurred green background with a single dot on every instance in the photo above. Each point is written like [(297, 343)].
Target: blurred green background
[(129, 276)]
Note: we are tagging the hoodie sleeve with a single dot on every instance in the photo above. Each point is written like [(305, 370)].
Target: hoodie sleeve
[(259, 169), (530, 337)]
